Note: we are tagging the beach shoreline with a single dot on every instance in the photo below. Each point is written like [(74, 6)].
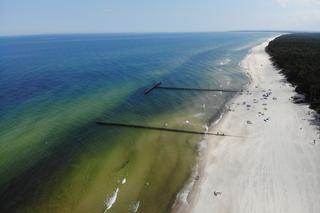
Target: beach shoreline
[(245, 174)]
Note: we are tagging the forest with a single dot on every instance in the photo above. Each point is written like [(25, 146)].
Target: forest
[(298, 57)]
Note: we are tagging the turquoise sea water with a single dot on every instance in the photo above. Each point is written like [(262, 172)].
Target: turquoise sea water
[(54, 158)]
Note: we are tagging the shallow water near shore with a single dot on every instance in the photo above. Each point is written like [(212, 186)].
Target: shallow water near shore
[(54, 158)]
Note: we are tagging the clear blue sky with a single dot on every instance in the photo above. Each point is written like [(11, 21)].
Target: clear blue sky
[(81, 16)]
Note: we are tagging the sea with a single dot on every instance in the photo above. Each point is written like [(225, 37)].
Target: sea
[(53, 89)]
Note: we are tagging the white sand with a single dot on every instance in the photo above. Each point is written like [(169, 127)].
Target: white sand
[(275, 167)]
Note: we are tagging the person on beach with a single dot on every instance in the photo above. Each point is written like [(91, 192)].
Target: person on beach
[(217, 193)]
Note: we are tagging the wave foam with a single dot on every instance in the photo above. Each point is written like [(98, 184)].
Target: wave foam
[(225, 61), (124, 180), (134, 206), (111, 200)]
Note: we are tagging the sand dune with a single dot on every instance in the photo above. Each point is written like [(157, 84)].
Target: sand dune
[(276, 166)]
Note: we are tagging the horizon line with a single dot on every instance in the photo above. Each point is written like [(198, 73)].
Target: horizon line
[(160, 32)]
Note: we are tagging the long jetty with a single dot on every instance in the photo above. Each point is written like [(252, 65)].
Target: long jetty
[(153, 87), (104, 123), (158, 86), (196, 89)]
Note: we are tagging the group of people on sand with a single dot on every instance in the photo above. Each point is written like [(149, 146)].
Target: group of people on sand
[(220, 134)]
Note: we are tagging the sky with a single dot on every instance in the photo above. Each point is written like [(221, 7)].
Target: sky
[(22, 17)]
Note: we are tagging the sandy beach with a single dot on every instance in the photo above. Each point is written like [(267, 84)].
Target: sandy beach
[(274, 165)]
